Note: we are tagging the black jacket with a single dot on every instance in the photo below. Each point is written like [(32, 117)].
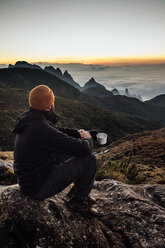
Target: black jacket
[(37, 145)]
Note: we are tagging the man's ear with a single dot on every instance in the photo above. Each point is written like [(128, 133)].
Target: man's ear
[(52, 108)]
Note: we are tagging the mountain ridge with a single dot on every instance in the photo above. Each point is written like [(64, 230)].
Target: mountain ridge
[(30, 77)]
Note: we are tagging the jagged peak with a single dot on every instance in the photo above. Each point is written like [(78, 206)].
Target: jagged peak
[(92, 80), (49, 67), (66, 72), (58, 69), (115, 91)]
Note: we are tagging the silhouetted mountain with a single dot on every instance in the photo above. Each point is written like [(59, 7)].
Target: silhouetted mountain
[(57, 72), (157, 101), (99, 92), (68, 78), (25, 64), (27, 78), (115, 92), (92, 83), (133, 106)]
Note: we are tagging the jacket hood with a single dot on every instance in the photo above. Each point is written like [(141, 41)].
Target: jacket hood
[(33, 114)]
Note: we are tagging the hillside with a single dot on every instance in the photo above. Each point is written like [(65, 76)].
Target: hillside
[(132, 106), (134, 159), (138, 158), (73, 114), (157, 101)]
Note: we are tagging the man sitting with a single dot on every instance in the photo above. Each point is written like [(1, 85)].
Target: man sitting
[(47, 158)]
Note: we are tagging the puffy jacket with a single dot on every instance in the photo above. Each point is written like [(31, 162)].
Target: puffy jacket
[(37, 145)]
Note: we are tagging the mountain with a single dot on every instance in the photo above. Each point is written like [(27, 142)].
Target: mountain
[(92, 83), (158, 101), (132, 106), (99, 92), (27, 78), (68, 78), (25, 64), (134, 96), (74, 114), (115, 92), (57, 72), (137, 158)]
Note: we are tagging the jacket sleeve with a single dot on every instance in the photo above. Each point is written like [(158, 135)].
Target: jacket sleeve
[(71, 132), (53, 139)]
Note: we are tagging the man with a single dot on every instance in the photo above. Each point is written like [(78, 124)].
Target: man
[(47, 158)]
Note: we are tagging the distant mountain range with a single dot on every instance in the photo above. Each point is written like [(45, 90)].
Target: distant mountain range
[(26, 76), (69, 79)]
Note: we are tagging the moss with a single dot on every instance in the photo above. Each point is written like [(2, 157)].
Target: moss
[(8, 177)]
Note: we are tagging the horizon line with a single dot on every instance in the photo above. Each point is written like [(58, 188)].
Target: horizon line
[(93, 60)]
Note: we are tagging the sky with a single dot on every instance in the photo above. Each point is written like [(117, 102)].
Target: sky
[(88, 31)]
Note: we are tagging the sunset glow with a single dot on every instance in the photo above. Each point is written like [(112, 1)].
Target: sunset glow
[(88, 32), (94, 60)]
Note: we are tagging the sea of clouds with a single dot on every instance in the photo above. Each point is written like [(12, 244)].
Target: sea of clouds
[(145, 80)]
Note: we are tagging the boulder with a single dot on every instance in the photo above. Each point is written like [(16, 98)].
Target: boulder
[(7, 176), (129, 216)]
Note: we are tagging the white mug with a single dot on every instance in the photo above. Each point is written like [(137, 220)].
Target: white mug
[(102, 138)]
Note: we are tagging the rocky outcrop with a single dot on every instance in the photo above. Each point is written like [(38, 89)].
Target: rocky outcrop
[(129, 216), (135, 96), (115, 92), (7, 176)]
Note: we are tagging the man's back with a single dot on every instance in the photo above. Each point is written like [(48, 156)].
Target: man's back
[(37, 145)]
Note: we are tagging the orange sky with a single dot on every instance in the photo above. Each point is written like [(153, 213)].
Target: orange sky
[(92, 60)]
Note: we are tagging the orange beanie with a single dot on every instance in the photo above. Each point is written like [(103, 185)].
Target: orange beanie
[(41, 97)]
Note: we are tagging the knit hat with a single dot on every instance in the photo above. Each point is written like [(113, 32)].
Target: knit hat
[(41, 97)]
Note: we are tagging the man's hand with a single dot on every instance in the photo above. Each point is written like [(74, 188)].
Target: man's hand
[(84, 134)]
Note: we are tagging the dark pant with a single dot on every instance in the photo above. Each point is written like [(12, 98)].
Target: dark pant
[(78, 169)]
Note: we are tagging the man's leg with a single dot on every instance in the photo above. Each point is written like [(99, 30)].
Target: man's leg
[(78, 169)]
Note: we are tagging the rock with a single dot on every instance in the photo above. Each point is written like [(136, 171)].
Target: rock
[(115, 92), (7, 176), (134, 96), (130, 216)]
